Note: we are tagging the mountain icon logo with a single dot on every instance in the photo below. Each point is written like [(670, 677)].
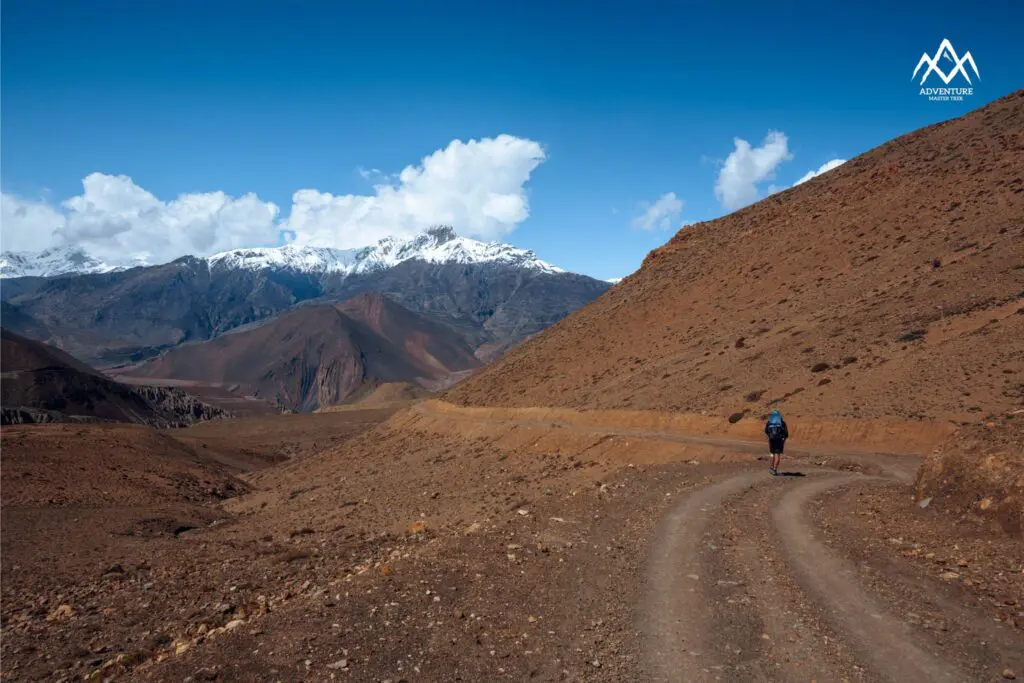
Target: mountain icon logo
[(946, 52)]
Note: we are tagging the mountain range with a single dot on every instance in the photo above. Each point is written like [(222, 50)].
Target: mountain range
[(436, 245), (490, 296)]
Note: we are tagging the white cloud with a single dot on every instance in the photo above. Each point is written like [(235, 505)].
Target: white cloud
[(825, 168), (661, 214), (748, 166), (27, 225), (116, 220), (477, 186)]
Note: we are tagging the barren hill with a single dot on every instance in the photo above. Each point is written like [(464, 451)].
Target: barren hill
[(43, 384), (890, 287), (316, 356)]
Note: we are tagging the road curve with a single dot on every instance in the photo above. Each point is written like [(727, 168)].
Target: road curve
[(678, 612), (885, 642)]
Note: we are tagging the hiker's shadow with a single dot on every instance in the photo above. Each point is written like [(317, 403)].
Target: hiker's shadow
[(790, 474)]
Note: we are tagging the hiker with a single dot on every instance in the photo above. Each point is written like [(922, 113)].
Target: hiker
[(777, 433)]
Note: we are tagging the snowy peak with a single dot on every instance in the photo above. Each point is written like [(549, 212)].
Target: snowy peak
[(436, 245), (316, 260), (51, 263)]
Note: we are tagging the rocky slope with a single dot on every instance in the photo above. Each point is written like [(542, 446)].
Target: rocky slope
[(979, 474), (891, 287), (43, 384), (321, 355), (497, 294)]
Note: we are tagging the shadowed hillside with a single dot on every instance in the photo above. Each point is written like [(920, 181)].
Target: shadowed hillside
[(43, 384)]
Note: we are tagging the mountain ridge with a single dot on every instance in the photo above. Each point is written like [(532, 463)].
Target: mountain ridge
[(496, 294), (438, 244)]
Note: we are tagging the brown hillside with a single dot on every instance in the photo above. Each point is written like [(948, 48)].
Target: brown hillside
[(890, 287), (393, 392), (42, 384), (317, 356)]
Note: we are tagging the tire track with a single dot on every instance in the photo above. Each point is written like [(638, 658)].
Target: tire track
[(886, 643), (686, 618), (676, 614)]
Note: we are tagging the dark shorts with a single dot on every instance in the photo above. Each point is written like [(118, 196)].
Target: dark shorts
[(775, 446)]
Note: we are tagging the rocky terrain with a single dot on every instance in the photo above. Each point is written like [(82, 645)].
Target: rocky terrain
[(449, 543), (497, 294), (321, 355), (979, 474), (41, 384)]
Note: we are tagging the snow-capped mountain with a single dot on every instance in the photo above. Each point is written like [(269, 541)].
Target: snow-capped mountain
[(493, 294), (51, 263), (436, 245)]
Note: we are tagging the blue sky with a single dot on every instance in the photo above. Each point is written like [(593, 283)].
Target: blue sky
[(627, 102)]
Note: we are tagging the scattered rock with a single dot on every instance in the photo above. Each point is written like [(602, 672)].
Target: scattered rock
[(755, 396), (924, 502), (62, 613), (913, 335), (340, 664)]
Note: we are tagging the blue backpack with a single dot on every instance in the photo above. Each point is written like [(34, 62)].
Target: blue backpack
[(774, 428)]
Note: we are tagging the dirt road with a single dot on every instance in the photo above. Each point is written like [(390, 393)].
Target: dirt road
[(780, 604), (740, 585), (498, 549)]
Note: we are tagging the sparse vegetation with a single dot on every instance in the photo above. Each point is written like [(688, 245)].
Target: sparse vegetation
[(912, 336)]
